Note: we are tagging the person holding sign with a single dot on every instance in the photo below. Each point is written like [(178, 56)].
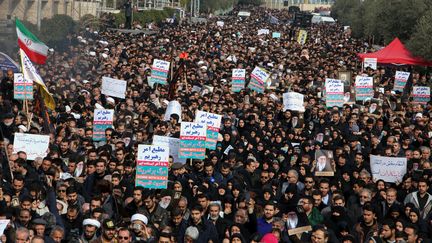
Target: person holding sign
[(323, 162)]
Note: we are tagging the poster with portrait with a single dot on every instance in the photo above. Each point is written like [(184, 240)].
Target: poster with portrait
[(323, 163)]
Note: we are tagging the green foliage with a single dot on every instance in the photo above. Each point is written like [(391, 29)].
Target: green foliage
[(382, 19), (420, 43), (54, 31), (211, 6), (250, 2), (146, 16), (89, 20)]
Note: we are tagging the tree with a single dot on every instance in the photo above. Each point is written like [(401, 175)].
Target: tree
[(420, 43), (382, 19), (54, 31)]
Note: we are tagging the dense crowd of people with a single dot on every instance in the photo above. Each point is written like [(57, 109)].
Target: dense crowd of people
[(264, 189)]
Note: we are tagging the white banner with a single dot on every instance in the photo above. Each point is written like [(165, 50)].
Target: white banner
[(172, 143), (173, 107), (389, 169), (293, 101), (114, 87), (370, 63), (263, 32), (33, 145)]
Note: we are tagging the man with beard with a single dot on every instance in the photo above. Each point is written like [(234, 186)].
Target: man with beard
[(388, 231), (139, 227), (73, 198), (93, 179), (137, 203), (72, 222), (127, 181), (390, 200), (8, 126), (176, 221), (7, 85), (215, 217), (89, 232), (368, 226), (312, 213), (295, 220), (108, 232), (156, 214), (264, 224), (207, 230)]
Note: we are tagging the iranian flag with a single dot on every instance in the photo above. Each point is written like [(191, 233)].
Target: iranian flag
[(35, 49)]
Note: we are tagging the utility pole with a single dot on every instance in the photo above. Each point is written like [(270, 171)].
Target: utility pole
[(39, 14)]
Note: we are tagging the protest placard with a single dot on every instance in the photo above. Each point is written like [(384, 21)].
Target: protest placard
[(23, 88), (220, 23), (192, 140), (299, 230), (389, 169), (152, 166), (173, 144), (159, 72), (113, 87), (421, 95), (370, 63), (33, 145), (102, 120), (334, 92), (302, 36), (258, 78), (238, 80), (323, 163), (263, 31), (364, 88), (276, 35), (400, 80), (293, 101), (3, 224), (213, 122), (174, 107)]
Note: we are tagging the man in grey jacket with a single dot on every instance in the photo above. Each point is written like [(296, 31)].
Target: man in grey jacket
[(421, 199)]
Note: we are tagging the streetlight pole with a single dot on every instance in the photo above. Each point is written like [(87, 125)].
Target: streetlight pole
[(38, 14)]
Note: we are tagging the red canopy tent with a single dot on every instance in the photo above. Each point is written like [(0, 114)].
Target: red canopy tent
[(395, 53)]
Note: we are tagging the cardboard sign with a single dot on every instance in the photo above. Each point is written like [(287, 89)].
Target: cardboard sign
[(401, 79), (33, 145), (102, 120), (213, 122), (152, 166), (159, 72), (299, 230), (23, 88), (421, 95), (192, 140), (389, 169), (114, 87), (173, 144), (370, 63), (293, 101), (334, 90), (258, 79), (238, 80), (364, 88), (220, 23)]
